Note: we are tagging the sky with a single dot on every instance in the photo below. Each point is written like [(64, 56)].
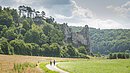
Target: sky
[(103, 14)]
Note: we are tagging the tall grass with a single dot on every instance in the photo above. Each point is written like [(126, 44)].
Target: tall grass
[(20, 68)]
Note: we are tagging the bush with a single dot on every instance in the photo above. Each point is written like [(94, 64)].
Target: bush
[(119, 55)]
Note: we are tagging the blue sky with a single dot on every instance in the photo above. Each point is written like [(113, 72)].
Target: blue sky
[(104, 14)]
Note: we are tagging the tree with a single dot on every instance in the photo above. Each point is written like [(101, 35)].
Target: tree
[(6, 48), (44, 39), (33, 12), (20, 10), (0, 8), (82, 49), (50, 20), (6, 19), (47, 50), (19, 46), (43, 14), (29, 11), (47, 28), (63, 52), (36, 13), (1, 52), (32, 36), (55, 50), (15, 15), (72, 51), (26, 25), (56, 36), (10, 35), (29, 49)]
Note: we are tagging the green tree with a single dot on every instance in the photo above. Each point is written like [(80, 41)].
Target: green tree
[(10, 35), (55, 49), (82, 49), (47, 28), (56, 36), (72, 51), (19, 46), (35, 49), (63, 52), (47, 50), (1, 52), (32, 36), (26, 25), (15, 15), (6, 19), (6, 48)]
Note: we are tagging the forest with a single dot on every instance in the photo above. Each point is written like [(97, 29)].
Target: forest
[(26, 31), (108, 41)]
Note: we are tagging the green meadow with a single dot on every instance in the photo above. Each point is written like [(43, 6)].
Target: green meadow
[(97, 66)]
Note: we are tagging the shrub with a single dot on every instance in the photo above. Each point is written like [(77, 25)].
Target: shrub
[(119, 55)]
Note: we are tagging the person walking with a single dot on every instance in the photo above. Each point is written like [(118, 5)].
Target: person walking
[(50, 62), (54, 62)]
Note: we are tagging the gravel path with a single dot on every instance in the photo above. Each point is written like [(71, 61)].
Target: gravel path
[(54, 68)]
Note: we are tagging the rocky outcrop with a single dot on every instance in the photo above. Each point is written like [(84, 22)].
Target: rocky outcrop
[(67, 33), (76, 38), (81, 38)]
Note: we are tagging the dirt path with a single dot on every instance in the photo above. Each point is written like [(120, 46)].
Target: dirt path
[(39, 69), (54, 68)]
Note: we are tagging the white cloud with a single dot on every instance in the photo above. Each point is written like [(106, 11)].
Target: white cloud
[(68, 11), (77, 10), (81, 17), (123, 10), (105, 24), (24, 1), (79, 14)]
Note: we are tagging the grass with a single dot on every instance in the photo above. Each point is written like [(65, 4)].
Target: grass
[(7, 63), (97, 66), (46, 70), (21, 68), (27, 64)]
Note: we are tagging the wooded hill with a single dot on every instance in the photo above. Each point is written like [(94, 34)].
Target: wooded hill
[(106, 41), (27, 31)]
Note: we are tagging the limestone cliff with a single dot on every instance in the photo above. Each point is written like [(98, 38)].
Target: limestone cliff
[(76, 38)]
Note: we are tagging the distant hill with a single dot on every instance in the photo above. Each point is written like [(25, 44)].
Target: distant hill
[(107, 41)]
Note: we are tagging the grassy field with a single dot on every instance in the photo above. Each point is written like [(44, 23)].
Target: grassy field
[(24, 64), (96, 66), (28, 64)]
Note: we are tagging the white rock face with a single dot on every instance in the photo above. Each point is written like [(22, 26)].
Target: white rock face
[(77, 39)]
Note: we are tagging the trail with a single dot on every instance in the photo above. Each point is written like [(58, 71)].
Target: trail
[(38, 68), (54, 68)]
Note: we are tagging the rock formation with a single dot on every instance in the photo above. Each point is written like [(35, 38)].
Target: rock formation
[(76, 38)]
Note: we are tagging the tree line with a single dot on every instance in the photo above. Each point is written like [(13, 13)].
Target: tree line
[(107, 41)]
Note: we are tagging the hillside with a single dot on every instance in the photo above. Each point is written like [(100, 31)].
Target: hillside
[(105, 41), (27, 31), (108, 41)]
